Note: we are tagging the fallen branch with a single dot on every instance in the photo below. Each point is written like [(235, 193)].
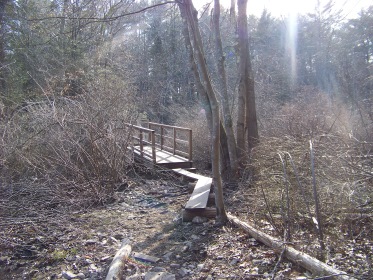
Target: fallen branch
[(117, 265), (312, 264)]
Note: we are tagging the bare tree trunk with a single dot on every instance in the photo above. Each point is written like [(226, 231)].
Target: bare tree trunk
[(2, 46), (232, 11), (191, 16), (204, 99), (246, 87), (314, 265), (63, 20), (228, 123), (240, 129)]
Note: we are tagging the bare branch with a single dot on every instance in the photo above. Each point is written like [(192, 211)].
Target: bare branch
[(104, 19)]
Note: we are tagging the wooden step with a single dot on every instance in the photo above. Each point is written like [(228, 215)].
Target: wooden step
[(188, 215), (200, 195), (188, 173)]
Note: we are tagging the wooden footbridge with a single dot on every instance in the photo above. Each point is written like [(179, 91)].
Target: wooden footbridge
[(171, 147)]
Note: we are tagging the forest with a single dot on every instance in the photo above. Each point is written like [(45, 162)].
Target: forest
[(281, 110)]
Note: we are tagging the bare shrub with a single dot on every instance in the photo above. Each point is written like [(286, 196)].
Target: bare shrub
[(307, 115), (343, 167), (195, 119), (80, 143)]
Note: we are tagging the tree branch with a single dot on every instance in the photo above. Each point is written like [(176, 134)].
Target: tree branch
[(104, 19)]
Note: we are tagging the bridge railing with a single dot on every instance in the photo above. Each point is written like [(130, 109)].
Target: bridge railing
[(174, 139), (141, 137)]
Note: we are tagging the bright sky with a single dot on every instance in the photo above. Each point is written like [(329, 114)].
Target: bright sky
[(285, 7)]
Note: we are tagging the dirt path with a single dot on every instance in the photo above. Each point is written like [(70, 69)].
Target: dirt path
[(81, 244)]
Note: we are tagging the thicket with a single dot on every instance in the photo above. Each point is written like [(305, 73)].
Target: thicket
[(67, 151)]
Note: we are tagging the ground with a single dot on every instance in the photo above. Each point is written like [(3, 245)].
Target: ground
[(148, 213)]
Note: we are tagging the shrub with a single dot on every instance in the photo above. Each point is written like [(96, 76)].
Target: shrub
[(343, 165), (195, 119), (78, 142)]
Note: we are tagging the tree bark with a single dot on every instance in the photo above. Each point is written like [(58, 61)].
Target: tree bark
[(191, 17), (204, 99), (246, 86), (2, 46), (63, 19), (228, 123), (310, 263), (116, 267)]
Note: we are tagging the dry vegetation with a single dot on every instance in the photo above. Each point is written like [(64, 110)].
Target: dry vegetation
[(75, 147), (70, 153), (276, 191), (280, 194)]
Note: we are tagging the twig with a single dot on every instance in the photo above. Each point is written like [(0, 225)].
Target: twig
[(299, 183), (102, 19), (270, 212), (317, 204), (278, 262), (287, 235)]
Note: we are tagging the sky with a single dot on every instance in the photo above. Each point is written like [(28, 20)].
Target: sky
[(278, 8)]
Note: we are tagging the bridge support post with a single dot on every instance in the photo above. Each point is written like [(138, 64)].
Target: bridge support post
[(141, 144), (174, 140), (190, 145), (153, 147), (162, 139)]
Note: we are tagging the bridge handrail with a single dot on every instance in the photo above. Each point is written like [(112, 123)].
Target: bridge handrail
[(142, 141), (174, 138)]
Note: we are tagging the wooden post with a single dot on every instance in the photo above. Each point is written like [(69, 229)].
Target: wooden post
[(174, 146), (141, 144), (132, 140), (153, 146), (190, 145), (162, 141), (149, 133)]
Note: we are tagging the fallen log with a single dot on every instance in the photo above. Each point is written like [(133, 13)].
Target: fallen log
[(312, 264), (117, 265)]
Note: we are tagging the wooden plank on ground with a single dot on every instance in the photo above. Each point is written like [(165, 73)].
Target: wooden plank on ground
[(200, 194), (188, 173)]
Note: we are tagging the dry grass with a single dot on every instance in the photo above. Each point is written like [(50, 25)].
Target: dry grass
[(343, 167)]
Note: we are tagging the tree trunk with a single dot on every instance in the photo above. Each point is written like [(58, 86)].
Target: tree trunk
[(204, 99), (228, 124), (314, 265), (232, 11), (246, 86), (2, 46), (63, 20), (191, 17)]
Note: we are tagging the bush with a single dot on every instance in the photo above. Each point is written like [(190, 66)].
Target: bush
[(78, 142), (343, 165)]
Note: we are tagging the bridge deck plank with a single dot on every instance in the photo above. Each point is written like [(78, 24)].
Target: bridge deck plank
[(164, 157), (200, 195)]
